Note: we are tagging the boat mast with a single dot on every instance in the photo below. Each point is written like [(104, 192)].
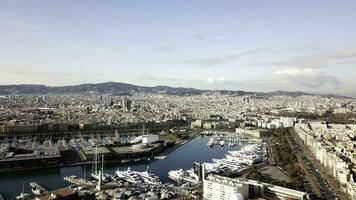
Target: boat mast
[(85, 171), (23, 187), (96, 159), (102, 164)]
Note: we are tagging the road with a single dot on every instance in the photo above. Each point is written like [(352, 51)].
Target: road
[(327, 193), (271, 160)]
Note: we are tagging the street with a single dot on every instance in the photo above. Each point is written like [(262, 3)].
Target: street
[(327, 192)]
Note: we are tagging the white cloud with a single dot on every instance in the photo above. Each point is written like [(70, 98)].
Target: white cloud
[(308, 77), (219, 80), (321, 59), (306, 71), (218, 60)]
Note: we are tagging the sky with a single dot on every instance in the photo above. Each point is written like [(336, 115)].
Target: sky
[(227, 44)]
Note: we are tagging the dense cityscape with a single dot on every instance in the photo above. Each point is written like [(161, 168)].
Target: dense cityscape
[(62, 130)]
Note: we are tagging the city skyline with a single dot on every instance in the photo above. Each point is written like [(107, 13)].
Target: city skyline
[(294, 46)]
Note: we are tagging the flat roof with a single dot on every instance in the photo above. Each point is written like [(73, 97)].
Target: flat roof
[(121, 150), (100, 150)]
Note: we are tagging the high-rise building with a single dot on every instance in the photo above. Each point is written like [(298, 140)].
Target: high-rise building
[(126, 104)]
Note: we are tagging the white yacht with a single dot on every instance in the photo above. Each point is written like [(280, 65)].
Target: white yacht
[(178, 174), (183, 175), (129, 176), (230, 164), (211, 142), (149, 177), (222, 143), (214, 168), (240, 160)]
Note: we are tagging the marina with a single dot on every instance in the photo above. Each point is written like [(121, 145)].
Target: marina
[(227, 139), (235, 161), (136, 177), (195, 150)]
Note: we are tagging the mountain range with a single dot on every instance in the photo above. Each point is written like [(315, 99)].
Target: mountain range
[(118, 88)]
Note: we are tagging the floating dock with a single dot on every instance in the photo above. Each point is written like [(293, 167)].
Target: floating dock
[(79, 181)]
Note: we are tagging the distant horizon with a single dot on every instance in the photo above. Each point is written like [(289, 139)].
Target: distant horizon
[(172, 86)]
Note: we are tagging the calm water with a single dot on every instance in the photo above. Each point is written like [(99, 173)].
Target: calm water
[(194, 151)]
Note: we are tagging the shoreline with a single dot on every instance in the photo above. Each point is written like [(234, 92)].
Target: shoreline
[(143, 159), (179, 144)]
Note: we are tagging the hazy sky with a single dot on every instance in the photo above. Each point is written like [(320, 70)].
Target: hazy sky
[(215, 44)]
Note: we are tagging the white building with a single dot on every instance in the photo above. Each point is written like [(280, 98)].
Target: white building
[(197, 124), (351, 189), (261, 189), (341, 171), (222, 188), (257, 133), (330, 144), (287, 122), (149, 139)]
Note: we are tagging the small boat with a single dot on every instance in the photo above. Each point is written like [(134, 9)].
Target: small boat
[(23, 195), (222, 142), (210, 143), (36, 191)]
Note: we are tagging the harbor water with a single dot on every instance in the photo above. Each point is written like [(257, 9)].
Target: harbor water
[(195, 150)]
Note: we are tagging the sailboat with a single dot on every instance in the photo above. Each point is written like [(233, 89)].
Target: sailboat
[(95, 175), (99, 173)]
